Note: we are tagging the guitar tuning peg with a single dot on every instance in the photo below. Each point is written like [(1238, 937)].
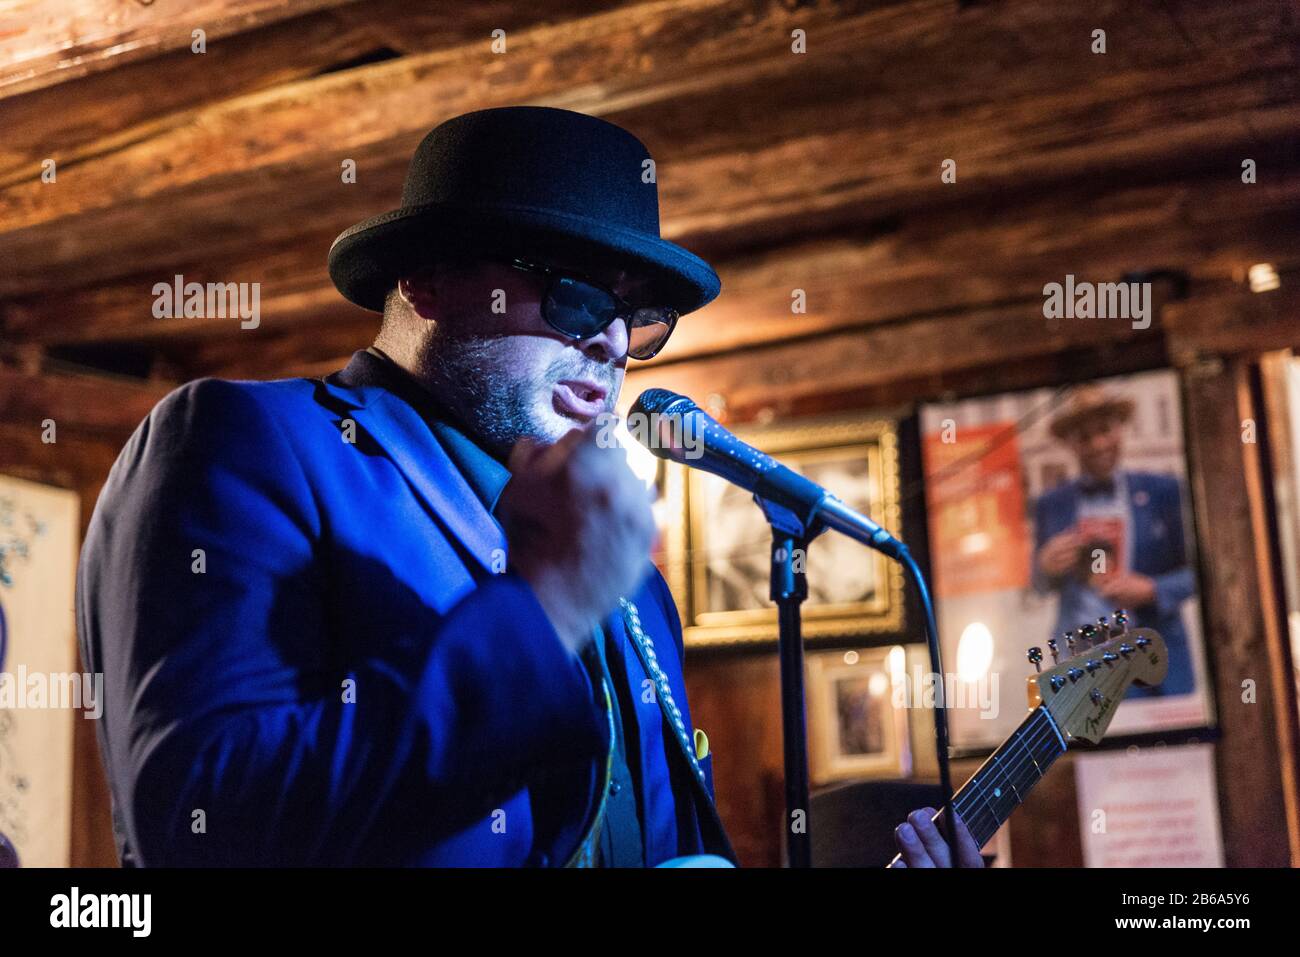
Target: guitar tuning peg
[(1069, 641), (1055, 650), (1103, 628), (1121, 622), (1089, 634), (1035, 656)]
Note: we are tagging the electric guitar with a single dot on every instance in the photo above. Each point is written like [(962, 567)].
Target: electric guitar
[(1071, 702)]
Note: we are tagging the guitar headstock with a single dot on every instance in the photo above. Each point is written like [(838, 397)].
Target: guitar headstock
[(1082, 692)]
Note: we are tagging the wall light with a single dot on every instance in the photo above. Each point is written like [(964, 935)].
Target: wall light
[(1263, 277)]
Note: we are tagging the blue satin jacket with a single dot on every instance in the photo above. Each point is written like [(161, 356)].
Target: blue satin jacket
[(314, 652)]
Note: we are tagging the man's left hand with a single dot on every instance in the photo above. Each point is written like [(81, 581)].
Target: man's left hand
[(921, 844)]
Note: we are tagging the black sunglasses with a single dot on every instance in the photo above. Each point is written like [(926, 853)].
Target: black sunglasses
[(580, 308)]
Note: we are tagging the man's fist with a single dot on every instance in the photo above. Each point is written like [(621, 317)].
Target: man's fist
[(580, 528)]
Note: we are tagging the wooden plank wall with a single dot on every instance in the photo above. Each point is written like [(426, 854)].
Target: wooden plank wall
[(816, 171)]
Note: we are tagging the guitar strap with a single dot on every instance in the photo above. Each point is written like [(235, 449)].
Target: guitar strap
[(713, 833)]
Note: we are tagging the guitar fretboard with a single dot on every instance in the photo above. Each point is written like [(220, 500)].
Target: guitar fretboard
[(1006, 778)]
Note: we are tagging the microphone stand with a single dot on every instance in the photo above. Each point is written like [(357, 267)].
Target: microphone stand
[(806, 511), (791, 534)]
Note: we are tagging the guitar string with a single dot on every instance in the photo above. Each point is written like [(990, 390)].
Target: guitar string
[(1031, 740), (973, 801), (1070, 699), (1017, 768), (1044, 733), (983, 816)]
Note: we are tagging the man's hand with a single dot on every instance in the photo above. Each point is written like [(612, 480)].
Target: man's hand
[(1060, 553), (922, 845), (580, 528), (1127, 590)]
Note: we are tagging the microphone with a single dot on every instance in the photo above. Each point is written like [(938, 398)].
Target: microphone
[(673, 427)]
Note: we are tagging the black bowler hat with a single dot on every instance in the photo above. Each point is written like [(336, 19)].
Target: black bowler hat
[(530, 182)]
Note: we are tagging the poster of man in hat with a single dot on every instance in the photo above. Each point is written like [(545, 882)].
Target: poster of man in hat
[(1113, 537), (1048, 509)]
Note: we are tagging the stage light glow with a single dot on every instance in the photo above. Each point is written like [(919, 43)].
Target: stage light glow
[(639, 459), (974, 651)]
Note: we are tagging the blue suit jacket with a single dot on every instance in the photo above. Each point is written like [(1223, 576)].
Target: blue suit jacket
[(1159, 551), (311, 655)]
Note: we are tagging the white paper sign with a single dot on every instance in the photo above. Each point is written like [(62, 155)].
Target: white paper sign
[(38, 559), (1149, 807)]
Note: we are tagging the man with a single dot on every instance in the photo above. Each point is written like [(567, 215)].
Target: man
[(405, 614), (1113, 538)]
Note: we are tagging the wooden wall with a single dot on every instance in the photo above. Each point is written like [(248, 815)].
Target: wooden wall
[(814, 169), (737, 697)]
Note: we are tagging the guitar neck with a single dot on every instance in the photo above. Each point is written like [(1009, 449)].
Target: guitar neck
[(1004, 781)]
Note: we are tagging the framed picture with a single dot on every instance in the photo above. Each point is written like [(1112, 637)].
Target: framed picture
[(856, 728), (38, 659), (718, 543), (1048, 509)]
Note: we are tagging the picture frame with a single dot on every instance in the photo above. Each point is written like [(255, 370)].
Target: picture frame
[(856, 729), (1005, 476), (718, 543)]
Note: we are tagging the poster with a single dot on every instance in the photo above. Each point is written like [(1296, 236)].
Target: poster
[(1048, 509), (1149, 807), (40, 691)]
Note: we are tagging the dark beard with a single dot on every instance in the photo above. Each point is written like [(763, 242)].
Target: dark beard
[(495, 405)]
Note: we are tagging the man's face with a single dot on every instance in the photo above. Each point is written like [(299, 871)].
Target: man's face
[(505, 370), (1097, 445)]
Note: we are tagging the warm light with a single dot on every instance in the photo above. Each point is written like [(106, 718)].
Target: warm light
[(1263, 277), (974, 651), (878, 684), (850, 657)]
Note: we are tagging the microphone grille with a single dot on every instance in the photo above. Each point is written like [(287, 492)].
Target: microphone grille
[(661, 401)]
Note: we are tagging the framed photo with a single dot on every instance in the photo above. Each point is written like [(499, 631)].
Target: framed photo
[(718, 543), (38, 661), (856, 728), (1048, 509)]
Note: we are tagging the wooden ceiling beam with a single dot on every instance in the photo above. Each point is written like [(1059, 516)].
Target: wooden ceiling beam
[(42, 44), (1235, 321), (1215, 319), (79, 404), (106, 111), (752, 135), (877, 355), (928, 262)]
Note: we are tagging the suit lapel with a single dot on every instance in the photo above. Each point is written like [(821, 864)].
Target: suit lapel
[(627, 624), (407, 440)]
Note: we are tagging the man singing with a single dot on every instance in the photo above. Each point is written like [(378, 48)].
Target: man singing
[(405, 614)]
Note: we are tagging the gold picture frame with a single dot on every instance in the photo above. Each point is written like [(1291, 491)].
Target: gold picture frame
[(718, 544), (855, 727)]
